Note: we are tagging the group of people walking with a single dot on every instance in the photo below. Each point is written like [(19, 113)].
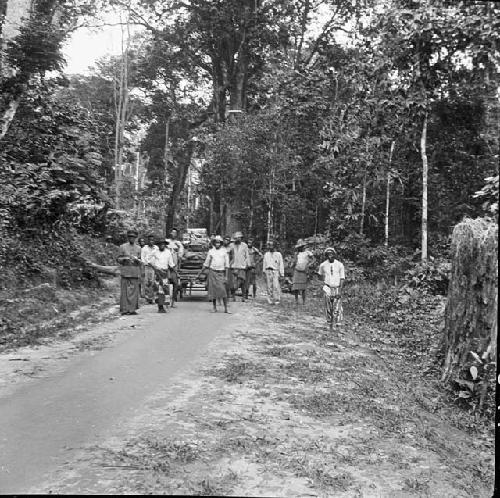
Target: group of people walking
[(230, 265), (150, 270)]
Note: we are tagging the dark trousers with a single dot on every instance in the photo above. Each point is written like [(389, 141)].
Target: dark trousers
[(239, 281), (174, 280)]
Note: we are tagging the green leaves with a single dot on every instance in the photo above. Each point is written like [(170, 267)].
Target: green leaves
[(48, 164)]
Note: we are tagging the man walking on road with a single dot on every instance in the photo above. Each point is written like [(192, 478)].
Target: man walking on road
[(147, 253), (162, 263), (229, 249), (274, 268), (332, 273), (177, 249), (254, 257), (239, 266), (217, 263), (129, 259)]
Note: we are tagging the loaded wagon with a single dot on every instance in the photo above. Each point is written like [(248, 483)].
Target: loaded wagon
[(195, 254)]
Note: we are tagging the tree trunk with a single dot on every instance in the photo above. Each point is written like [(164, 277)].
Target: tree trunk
[(423, 153), (183, 163), (8, 116), (471, 310), (387, 197), (363, 205), (166, 157)]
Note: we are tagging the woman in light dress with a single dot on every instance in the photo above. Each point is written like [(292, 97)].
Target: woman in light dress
[(301, 264)]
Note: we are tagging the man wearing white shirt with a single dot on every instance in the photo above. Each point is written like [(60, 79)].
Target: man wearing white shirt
[(239, 265), (217, 263), (274, 268), (332, 273), (147, 252), (162, 263)]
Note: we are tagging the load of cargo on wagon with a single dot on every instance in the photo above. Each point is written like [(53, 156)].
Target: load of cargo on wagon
[(196, 245)]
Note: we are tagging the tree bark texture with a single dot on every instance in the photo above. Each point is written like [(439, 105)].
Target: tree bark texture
[(471, 310), (14, 82), (363, 205), (183, 161), (387, 197), (425, 169)]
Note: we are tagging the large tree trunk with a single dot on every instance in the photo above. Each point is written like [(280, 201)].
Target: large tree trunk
[(13, 82), (425, 169), (471, 310), (121, 114), (183, 163), (387, 198)]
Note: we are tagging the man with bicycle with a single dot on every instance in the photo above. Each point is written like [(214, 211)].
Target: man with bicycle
[(332, 273)]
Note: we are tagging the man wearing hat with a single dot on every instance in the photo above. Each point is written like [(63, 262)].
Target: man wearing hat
[(254, 257), (129, 259), (239, 265), (217, 263), (275, 269), (332, 273), (147, 253), (300, 266), (162, 263)]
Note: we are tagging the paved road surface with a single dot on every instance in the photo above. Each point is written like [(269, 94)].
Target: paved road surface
[(44, 422)]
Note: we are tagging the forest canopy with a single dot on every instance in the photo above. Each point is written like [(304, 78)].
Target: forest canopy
[(376, 120)]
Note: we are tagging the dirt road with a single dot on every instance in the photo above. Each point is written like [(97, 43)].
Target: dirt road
[(72, 403), (264, 402)]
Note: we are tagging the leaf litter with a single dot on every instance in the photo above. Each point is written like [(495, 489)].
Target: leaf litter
[(296, 410)]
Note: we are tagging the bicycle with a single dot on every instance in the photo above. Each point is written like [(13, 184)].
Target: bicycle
[(334, 311)]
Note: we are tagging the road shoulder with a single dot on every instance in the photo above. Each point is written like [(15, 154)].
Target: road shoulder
[(280, 406)]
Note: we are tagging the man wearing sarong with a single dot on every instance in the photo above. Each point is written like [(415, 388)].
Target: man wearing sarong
[(229, 249), (274, 269), (300, 266), (129, 259), (217, 263), (254, 257), (332, 272), (162, 263), (147, 253), (239, 266), (177, 249)]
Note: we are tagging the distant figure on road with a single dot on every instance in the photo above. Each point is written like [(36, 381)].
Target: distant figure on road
[(226, 244), (163, 264), (239, 266), (332, 273), (129, 259), (177, 249), (254, 257), (300, 265), (217, 263), (142, 242), (274, 268), (147, 252)]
